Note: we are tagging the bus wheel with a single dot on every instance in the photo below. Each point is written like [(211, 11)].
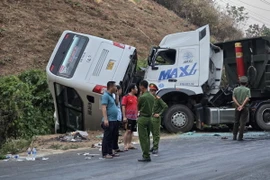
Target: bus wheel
[(178, 118), (263, 117)]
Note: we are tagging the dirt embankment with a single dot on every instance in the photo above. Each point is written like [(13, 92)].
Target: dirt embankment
[(29, 29)]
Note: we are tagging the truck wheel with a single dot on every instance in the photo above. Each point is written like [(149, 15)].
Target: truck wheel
[(263, 117), (178, 118)]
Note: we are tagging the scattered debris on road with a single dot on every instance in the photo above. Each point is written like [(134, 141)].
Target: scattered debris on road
[(17, 158), (76, 136)]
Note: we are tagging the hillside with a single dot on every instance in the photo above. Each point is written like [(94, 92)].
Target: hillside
[(29, 29)]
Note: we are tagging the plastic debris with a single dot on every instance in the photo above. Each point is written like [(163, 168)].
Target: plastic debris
[(87, 158), (29, 151), (76, 136), (8, 156), (44, 159), (99, 136), (216, 135), (83, 134), (97, 145)]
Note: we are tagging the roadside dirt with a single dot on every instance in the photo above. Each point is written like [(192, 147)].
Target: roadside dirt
[(30, 29), (50, 144)]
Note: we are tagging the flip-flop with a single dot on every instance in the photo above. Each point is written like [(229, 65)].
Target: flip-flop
[(119, 150), (132, 147)]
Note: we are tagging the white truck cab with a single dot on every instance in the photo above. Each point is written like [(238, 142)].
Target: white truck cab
[(185, 66)]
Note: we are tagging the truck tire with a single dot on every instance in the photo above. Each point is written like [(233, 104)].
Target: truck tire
[(263, 117), (178, 118)]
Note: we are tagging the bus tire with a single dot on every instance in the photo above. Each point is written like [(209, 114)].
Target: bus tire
[(178, 118), (263, 117)]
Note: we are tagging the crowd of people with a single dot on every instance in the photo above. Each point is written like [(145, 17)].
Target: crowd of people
[(142, 112), (145, 112)]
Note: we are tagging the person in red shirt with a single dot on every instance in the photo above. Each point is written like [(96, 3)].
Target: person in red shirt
[(130, 114)]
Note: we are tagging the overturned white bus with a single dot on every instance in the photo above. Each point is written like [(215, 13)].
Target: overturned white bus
[(78, 71)]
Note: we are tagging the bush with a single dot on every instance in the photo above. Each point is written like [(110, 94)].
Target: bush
[(14, 146), (26, 105)]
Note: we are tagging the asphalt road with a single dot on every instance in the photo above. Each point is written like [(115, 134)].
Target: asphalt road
[(187, 158)]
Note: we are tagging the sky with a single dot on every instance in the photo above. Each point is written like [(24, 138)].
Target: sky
[(258, 10)]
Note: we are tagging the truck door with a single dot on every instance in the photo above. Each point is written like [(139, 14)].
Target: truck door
[(161, 74)]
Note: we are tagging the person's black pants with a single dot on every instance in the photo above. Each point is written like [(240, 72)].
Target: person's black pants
[(241, 118), (109, 136), (116, 137)]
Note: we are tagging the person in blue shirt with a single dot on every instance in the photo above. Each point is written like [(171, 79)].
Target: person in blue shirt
[(117, 97), (109, 120)]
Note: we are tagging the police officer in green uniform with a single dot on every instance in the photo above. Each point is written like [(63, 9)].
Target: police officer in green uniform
[(241, 96), (159, 107), (145, 105)]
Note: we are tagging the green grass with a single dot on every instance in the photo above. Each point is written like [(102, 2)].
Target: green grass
[(14, 146), (72, 146), (55, 146)]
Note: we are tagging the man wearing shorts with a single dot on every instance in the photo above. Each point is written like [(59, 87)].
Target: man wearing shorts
[(130, 114)]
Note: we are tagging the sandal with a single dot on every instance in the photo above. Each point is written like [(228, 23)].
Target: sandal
[(108, 156), (132, 147), (115, 155), (119, 150)]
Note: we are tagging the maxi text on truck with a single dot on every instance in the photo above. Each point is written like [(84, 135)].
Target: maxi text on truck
[(78, 71), (187, 68)]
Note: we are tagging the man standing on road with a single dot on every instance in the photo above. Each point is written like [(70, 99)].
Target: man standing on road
[(130, 113), (117, 97), (109, 120), (145, 105), (159, 107), (241, 97)]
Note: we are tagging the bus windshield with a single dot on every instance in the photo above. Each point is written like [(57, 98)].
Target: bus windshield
[(68, 55), (72, 57)]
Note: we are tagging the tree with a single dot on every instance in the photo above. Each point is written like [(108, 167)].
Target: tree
[(255, 30), (223, 23), (238, 14)]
